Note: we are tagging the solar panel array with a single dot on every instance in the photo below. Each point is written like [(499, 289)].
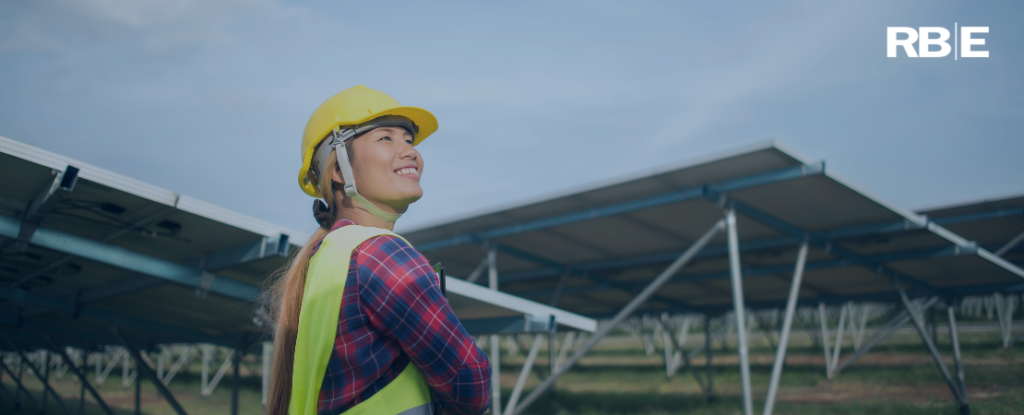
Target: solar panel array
[(85, 249), (596, 247)]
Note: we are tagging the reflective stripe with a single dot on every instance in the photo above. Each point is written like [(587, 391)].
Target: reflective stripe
[(425, 409)]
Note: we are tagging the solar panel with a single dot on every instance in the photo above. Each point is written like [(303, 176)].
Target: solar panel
[(610, 240), (85, 249)]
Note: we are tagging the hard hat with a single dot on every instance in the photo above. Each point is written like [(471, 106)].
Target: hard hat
[(361, 109)]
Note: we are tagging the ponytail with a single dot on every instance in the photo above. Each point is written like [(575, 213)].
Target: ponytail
[(285, 298)]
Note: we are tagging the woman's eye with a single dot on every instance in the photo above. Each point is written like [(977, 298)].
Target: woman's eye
[(408, 141), (384, 138)]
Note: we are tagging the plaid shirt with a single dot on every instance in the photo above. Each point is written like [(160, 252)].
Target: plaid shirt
[(393, 311)]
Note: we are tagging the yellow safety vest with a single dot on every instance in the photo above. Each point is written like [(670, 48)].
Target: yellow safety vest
[(408, 394)]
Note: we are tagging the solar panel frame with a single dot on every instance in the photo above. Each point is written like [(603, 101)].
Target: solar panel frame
[(115, 282)]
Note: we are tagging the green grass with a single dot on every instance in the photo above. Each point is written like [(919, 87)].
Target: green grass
[(897, 377), (185, 387)]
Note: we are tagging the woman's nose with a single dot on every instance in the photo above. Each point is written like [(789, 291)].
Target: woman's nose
[(408, 151)]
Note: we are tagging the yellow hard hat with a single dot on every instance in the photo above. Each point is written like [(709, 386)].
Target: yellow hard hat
[(354, 106)]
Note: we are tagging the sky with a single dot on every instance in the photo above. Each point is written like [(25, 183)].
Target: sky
[(209, 98)]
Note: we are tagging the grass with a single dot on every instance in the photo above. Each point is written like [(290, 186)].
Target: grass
[(617, 377)]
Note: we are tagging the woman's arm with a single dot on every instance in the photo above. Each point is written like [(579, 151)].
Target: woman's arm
[(405, 304)]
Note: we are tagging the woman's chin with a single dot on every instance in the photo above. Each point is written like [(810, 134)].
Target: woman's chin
[(400, 205)]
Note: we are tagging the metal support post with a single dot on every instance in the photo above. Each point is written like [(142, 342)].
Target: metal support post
[(266, 371), (626, 311), (81, 401), (954, 337), (824, 339), (21, 375), (492, 277), (684, 332), (183, 359), (666, 345), (935, 327), (126, 378), (552, 329), (144, 369), (720, 332), (737, 299), (236, 358), (685, 356), (212, 384), (648, 341), (42, 378), (160, 359), (858, 338), (563, 352), (82, 377), (961, 397), (839, 341), (536, 370), (885, 331), (787, 323), (20, 389), (679, 343), (205, 377), (495, 375), (523, 374), (138, 396), (1004, 311), (44, 359), (707, 358), (767, 332), (1000, 306)]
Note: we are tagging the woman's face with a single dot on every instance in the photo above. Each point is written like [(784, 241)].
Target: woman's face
[(387, 168)]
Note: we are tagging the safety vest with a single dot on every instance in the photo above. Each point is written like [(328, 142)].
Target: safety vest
[(408, 394)]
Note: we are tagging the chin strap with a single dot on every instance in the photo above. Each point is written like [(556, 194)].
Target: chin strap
[(338, 144)]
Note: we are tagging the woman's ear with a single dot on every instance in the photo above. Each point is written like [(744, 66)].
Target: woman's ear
[(336, 176)]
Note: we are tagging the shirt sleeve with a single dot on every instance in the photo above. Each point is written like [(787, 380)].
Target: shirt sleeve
[(404, 301)]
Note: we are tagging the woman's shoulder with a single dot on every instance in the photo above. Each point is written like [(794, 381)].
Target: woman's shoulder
[(389, 249), (388, 262)]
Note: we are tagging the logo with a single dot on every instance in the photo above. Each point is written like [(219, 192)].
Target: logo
[(933, 42)]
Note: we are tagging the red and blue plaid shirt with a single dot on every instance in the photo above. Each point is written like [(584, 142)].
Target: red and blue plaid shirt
[(393, 311)]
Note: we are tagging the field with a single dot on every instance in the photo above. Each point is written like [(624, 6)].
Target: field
[(618, 377)]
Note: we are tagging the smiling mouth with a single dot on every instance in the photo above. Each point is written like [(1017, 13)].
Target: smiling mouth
[(407, 171)]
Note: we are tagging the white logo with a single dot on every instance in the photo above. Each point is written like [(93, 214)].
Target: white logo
[(933, 42)]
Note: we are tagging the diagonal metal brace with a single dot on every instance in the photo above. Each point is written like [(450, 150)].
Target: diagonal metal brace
[(144, 368), (20, 386), (45, 382), (884, 332), (686, 361), (81, 375), (961, 396)]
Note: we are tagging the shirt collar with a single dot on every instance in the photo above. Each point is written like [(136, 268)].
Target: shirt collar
[(342, 223)]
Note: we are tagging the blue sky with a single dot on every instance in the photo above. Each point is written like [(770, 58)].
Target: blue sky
[(209, 98)]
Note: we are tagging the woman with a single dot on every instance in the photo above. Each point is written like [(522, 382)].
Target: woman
[(362, 326)]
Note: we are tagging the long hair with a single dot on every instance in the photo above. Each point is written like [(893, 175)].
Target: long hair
[(285, 298)]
